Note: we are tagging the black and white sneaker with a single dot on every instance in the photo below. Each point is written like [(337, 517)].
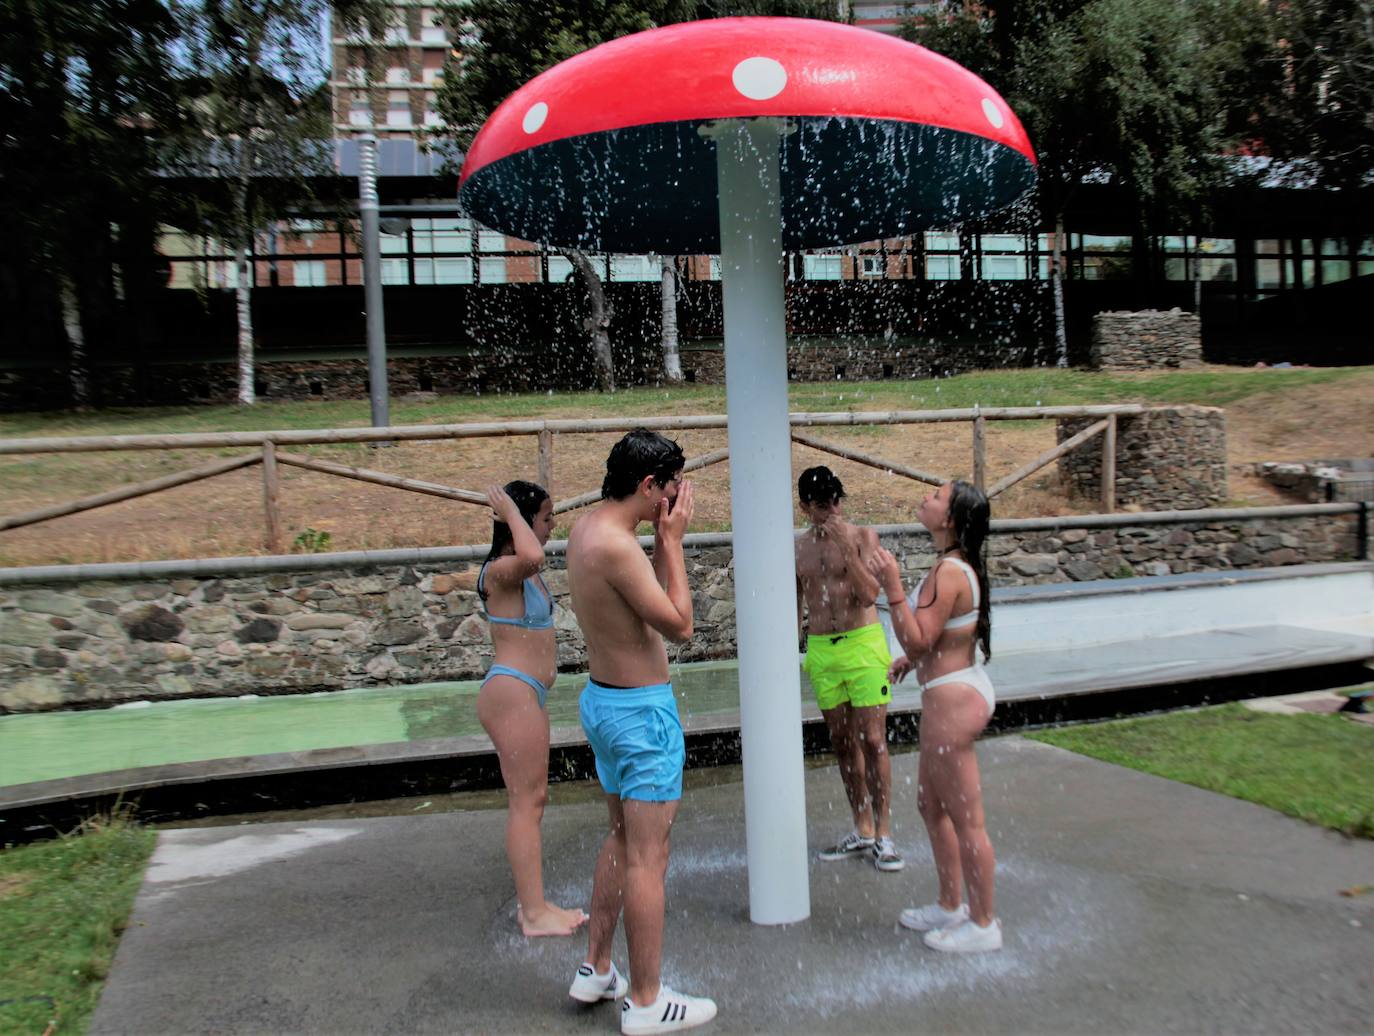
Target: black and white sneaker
[(591, 988), (669, 1013), (851, 845), (885, 856)]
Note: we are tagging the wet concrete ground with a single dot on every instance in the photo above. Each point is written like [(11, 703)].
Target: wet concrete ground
[(1130, 904)]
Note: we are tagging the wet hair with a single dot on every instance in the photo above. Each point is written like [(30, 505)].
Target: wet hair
[(529, 497), (819, 485), (638, 454), (969, 516)]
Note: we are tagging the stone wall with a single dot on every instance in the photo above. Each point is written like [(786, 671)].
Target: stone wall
[(870, 359), (1145, 340), (1167, 458), (85, 644)]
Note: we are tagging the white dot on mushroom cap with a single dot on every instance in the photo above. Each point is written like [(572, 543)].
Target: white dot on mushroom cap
[(993, 113), (759, 78), (534, 118)]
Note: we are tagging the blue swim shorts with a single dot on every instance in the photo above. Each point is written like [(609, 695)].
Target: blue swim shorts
[(637, 738)]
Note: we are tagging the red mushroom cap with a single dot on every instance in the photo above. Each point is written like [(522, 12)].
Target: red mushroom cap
[(602, 150)]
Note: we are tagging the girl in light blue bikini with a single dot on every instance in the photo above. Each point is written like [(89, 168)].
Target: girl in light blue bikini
[(941, 627), (510, 705)]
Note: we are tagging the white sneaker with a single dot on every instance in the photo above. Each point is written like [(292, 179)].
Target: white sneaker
[(966, 938), (669, 1013), (932, 916), (591, 988)]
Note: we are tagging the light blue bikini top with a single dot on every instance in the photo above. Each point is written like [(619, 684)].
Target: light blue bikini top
[(538, 604), (955, 621)]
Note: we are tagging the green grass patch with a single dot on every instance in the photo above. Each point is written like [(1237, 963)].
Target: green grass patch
[(62, 906), (1000, 388), (1316, 768)]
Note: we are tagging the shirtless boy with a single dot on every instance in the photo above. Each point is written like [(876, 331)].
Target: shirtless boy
[(626, 606), (847, 660)]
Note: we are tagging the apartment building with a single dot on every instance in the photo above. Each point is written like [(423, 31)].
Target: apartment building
[(401, 99)]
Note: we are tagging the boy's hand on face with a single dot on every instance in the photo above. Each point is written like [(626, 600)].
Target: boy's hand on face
[(673, 517), (838, 528)]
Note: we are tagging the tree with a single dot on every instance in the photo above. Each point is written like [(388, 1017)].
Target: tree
[(1321, 117), (83, 86), (501, 44), (261, 121), (1151, 95)]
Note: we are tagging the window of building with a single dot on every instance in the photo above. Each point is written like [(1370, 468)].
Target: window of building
[(308, 273), (1003, 257), (445, 234), (822, 267), (1102, 257), (443, 271), (394, 244), (1336, 261), (634, 268), (492, 271), (395, 271), (942, 257), (872, 266), (490, 241), (1282, 264)]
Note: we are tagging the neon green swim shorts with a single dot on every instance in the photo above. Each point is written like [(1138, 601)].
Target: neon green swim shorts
[(849, 667)]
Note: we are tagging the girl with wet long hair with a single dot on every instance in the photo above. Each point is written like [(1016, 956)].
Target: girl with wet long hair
[(942, 626), (510, 705)]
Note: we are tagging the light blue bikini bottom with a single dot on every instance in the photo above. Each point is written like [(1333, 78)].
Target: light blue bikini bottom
[(525, 678)]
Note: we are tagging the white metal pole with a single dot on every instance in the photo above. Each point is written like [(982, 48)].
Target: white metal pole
[(372, 280), (761, 511)]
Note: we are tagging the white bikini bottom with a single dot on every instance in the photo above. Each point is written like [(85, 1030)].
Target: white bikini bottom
[(975, 676)]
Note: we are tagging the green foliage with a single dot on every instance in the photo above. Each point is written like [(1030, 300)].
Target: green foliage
[(1320, 111), (84, 86), (255, 83), (63, 905), (1317, 768), (1151, 93), (311, 541)]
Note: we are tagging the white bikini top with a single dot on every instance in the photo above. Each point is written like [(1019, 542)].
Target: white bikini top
[(955, 621)]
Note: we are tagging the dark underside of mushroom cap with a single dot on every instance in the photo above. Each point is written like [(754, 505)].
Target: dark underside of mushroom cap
[(653, 188)]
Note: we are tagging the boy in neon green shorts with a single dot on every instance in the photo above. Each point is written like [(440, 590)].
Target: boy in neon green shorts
[(847, 660)]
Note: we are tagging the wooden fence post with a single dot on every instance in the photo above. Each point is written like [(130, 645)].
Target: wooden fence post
[(546, 461), (270, 485), (980, 451), (1109, 466)]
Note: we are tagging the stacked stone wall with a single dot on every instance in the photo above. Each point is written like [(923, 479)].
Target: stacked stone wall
[(1145, 340), (90, 644), (1167, 458)]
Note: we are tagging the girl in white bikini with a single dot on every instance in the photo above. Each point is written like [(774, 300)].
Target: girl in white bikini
[(510, 705), (941, 627)]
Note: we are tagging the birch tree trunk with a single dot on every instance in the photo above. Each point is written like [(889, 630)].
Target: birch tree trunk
[(672, 359), (243, 280), (598, 322), (77, 376), (1061, 338)]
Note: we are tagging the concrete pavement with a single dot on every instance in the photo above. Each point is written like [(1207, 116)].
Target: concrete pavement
[(1130, 904)]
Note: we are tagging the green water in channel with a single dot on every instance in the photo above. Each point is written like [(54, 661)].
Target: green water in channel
[(50, 745)]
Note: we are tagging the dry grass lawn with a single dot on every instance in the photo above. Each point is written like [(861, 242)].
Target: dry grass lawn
[(224, 515)]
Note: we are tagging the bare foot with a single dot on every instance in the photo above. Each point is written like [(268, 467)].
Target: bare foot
[(552, 920)]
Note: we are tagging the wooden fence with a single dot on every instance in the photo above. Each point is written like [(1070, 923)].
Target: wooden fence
[(267, 452)]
